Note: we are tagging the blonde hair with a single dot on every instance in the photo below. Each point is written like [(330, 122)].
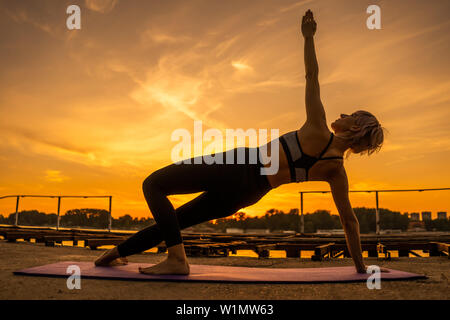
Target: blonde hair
[(370, 138)]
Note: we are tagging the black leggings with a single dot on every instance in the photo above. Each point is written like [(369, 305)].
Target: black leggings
[(227, 188)]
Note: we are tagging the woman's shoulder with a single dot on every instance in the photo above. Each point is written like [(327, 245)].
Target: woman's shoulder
[(317, 131)]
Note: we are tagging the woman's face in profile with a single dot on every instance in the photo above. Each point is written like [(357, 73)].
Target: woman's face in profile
[(343, 123)]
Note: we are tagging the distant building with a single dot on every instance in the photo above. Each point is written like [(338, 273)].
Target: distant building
[(442, 215), (414, 216), (426, 215), (416, 226)]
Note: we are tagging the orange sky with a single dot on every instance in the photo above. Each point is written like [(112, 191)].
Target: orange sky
[(91, 111)]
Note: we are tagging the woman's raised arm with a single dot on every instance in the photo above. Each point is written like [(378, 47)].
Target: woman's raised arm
[(315, 113)]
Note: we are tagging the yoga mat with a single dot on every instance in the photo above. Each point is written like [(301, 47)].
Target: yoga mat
[(210, 273)]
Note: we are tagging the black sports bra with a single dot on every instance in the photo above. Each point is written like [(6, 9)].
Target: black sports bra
[(300, 162)]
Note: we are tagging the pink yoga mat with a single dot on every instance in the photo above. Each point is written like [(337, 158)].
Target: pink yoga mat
[(211, 273)]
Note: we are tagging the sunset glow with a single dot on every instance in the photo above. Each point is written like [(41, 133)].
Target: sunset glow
[(91, 111)]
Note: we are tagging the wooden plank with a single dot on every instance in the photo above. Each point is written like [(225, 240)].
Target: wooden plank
[(382, 249), (263, 250), (194, 250), (58, 238), (406, 246), (403, 253), (371, 249), (51, 240), (337, 254), (221, 244), (13, 236), (93, 244), (444, 247), (439, 249), (298, 246), (208, 250), (415, 254), (270, 237), (321, 251), (364, 246), (293, 252), (39, 236)]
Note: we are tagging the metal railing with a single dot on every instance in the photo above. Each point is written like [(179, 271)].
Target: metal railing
[(59, 205), (377, 214)]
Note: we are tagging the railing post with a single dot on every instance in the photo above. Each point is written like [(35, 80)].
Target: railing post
[(17, 212), (110, 217), (302, 221), (57, 218), (377, 215)]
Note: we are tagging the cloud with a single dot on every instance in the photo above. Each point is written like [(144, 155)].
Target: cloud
[(196, 83), (268, 22), (160, 37), (29, 142), (39, 138), (169, 87), (54, 176), (241, 66), (294, 6), (22, 16), (222, 47), (102, 6)]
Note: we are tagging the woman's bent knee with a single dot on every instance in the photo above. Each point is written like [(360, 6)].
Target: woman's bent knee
[(151, 182)]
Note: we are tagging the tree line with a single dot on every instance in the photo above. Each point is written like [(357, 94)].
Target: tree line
[(86, 217), (273, 219)]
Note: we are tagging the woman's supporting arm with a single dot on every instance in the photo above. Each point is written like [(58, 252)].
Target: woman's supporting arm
[(339, 189), (351, 229)]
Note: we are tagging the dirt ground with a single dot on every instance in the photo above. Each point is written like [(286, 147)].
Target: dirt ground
[(15, 256)]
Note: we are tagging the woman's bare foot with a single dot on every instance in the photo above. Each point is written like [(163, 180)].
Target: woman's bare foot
[(168, 266), (111, 258)]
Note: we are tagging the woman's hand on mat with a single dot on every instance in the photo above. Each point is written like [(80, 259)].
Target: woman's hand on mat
[(309, 26)]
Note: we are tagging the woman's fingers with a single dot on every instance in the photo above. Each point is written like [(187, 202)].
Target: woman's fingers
[(308, 20), (308, 15)]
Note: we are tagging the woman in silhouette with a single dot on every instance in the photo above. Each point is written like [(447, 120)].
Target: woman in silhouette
[(311, 153)]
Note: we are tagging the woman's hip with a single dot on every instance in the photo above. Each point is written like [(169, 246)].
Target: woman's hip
[(231, 169)]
